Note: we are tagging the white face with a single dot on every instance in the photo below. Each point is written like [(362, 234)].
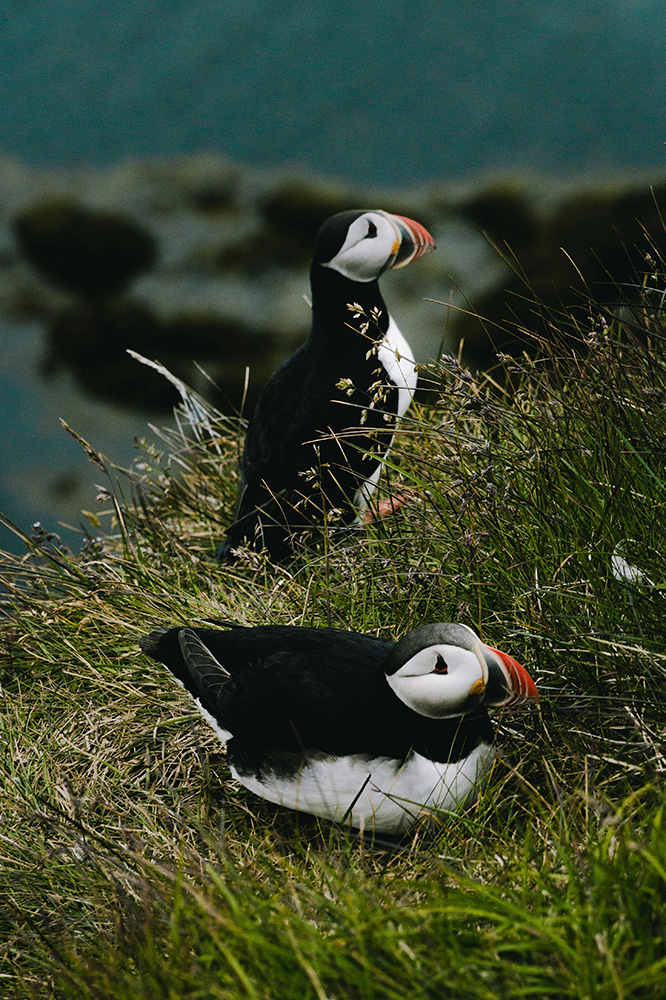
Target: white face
[(372, 242), (441, 681)]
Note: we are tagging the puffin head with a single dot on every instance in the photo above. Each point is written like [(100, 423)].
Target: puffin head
[(362, 245), (443, 671)]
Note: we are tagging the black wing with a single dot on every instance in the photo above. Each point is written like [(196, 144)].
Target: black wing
[(307, 452), (276, 686), (294, 689)]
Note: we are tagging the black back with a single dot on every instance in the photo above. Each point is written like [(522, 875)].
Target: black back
[(303, 423), (294, 689)]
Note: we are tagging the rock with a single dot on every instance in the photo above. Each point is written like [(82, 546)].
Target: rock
[(504, 210), (296, 207), (88, 253), (91, 341), (586, 252)]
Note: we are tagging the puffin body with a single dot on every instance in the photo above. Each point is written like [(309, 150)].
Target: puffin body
[(325, 420), (350, 727)]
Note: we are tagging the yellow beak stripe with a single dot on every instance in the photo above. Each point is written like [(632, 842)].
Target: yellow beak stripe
[(478, 687)]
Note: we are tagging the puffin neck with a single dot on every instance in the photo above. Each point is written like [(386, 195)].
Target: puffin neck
[(332, 319), (446, 740)]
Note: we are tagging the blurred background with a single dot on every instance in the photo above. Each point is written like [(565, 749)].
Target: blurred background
[(165, 165)]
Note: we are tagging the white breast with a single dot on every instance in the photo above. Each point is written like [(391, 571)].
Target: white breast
[(396, 357), (223, 734), (380, 795)]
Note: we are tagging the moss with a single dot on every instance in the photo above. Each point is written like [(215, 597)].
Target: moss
[(88, 253), (296, 208), (92, 339), (590, 247), (505, 211)]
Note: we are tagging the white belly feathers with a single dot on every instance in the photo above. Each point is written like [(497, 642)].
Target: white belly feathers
[(395, 355), (381, 794)]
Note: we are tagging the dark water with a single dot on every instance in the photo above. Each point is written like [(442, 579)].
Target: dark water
[(384, 92), (390, 93)]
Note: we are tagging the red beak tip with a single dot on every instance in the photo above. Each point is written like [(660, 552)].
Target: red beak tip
[(522, 687), (423, 241)]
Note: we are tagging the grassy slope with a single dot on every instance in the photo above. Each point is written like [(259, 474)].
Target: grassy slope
[(132, 866)]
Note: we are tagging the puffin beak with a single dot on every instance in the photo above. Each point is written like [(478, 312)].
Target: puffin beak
[(508, 682), (412, 240)]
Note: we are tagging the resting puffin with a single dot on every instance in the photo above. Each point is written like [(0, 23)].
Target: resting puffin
[(350, 727), (325, 420)]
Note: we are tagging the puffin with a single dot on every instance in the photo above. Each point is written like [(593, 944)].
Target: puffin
[(350, 727), (324, 422)]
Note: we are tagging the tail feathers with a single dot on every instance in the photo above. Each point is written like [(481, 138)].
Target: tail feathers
[(150, 644), (272, 521), (223, 552)]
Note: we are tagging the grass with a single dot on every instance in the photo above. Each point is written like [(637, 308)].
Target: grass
[(132, 866)]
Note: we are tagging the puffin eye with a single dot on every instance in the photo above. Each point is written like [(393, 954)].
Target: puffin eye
[(372, 230), (441, 666)]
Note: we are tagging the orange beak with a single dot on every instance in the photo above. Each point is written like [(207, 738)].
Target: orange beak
[(412, 240), (508, 682)]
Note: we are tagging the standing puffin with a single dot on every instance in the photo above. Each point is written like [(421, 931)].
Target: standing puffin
[(325, 420), (350, 727)]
